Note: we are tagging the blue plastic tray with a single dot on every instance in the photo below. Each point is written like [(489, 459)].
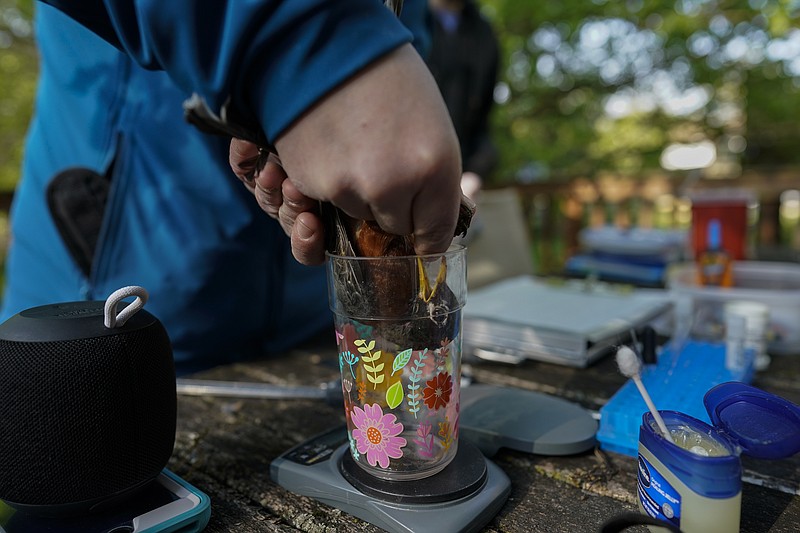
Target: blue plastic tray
[(676, 383)]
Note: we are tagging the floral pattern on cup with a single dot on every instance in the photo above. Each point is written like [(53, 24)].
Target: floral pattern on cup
[(376, 435), (397, 401)]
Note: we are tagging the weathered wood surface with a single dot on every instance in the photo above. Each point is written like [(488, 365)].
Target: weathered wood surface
[(225, 445)]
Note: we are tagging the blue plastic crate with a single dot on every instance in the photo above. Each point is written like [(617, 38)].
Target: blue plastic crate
[(675, 383)]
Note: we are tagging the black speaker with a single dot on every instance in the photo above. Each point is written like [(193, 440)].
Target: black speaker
[(87, 411)]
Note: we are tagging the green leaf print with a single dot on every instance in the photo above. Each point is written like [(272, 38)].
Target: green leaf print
[(394, 396), (401, 360)]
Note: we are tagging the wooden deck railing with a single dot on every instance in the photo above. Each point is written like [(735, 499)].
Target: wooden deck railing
[(555, 213)]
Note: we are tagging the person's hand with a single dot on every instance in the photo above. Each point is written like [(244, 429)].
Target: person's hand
[(381, 147), (280, 199)]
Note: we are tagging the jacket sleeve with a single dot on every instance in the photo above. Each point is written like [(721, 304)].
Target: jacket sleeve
[(272, 59)]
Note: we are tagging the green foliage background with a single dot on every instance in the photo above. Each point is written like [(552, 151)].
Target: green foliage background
[(18, 71), (560, 73), (558, 126)]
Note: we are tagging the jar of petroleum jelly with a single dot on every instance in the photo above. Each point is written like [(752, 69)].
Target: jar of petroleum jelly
[(695, 483)]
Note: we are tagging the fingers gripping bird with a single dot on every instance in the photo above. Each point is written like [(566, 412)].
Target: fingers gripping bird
[(383, 288), (399, 288), (390, 288)]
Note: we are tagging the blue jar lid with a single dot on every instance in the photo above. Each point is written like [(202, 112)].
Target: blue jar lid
[(762, 424)]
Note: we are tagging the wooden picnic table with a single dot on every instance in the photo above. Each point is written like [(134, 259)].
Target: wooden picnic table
[(224, 447)]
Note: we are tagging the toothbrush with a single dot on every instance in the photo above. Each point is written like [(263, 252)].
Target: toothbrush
[(631, 367)]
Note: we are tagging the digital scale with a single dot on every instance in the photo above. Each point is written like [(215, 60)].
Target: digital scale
[(461, 498), (464, 496)]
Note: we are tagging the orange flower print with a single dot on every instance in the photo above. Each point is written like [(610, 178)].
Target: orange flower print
[(437, 391)]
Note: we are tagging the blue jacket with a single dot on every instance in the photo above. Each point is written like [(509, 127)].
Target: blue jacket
[(177, 222)]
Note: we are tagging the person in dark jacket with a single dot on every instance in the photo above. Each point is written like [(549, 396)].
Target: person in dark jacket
[(117, 189), (464, 60)]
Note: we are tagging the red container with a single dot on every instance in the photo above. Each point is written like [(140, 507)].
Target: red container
[(729, 206)]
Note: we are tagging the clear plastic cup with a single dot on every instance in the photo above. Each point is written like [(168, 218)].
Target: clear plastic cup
[(398, 331)]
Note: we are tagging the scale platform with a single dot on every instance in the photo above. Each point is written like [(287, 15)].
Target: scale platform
[(462, 498)]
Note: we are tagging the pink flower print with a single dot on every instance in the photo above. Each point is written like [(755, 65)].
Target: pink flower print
[(424, 440), (376, 435), (437, 391)]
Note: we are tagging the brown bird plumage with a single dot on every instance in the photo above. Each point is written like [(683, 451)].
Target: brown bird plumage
[(392, 288)]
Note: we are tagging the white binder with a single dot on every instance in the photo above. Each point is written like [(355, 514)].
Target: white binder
[(527, 318)]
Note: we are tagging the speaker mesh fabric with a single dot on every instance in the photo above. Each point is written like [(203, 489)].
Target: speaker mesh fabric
[(85, 419)]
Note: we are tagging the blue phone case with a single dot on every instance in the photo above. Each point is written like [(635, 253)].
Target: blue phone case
[(189, 514), (169, 505)]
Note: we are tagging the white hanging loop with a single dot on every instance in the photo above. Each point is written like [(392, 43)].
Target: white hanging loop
[(114, 320)]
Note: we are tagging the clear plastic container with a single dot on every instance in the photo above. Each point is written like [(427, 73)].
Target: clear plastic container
[(775, 284), (398, 330)]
